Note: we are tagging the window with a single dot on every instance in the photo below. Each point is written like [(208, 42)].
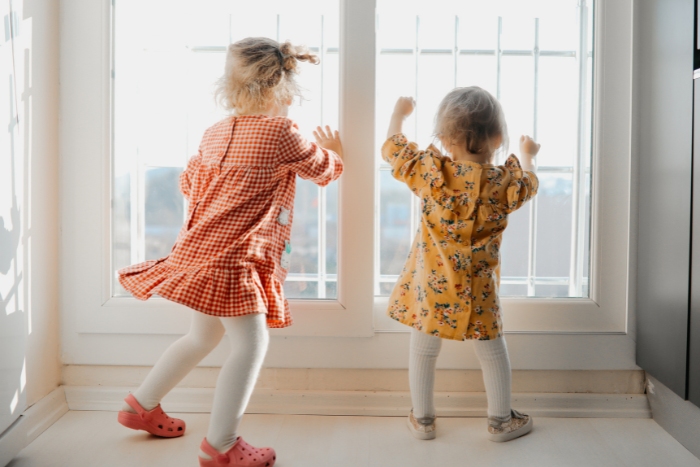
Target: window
[(90, 114), (538, 61), (163, 102)]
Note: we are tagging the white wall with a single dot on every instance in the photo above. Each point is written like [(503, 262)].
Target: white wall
[(33, 193), (43, 363)]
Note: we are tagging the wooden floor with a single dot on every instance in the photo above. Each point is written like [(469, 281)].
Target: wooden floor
[(95, 439)]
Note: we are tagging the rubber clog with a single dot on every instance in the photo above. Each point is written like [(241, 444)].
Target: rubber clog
[(154, 421), (241, 454)]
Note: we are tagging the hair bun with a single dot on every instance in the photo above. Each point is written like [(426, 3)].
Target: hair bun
[(287, 48), (289, 63), (307, 57), (291, 54)]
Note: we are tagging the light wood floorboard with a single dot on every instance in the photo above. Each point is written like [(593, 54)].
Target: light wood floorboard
[(87, 439)]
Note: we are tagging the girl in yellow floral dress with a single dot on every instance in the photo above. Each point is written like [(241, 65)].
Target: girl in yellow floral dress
[(448, 288)]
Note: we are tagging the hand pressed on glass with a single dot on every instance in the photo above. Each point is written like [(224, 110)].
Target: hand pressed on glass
[(528, 150), (329, 139)]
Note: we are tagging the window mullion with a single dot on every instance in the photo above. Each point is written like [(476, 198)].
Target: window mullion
[(138, 215), (357, 185), (277, 30), (532, 237), (414, 200), (322, 192), (377, 233), (322, 242), (416, 53), (499, 54), (322, 56), (578, 197), (456, 49)]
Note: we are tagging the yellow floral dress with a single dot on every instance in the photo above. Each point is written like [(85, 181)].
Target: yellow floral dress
[(449, 285)]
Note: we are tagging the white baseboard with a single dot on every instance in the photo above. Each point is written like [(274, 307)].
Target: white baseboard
[(32, 423), (374, 403), (368, 379)]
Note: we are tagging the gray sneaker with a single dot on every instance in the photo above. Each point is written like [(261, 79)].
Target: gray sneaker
[(421, 428), (505, 429)]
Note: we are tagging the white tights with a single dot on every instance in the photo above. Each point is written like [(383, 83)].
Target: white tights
[(495, 366), (249, 339)]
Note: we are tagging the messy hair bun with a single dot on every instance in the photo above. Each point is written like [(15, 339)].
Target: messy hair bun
[(260, 73), (292, 55)]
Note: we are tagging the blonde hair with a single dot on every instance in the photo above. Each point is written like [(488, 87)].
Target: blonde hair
[(471, 117), (260, 72)]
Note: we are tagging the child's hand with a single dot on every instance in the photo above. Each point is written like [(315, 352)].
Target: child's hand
[(528, 151), (528, 146), (328, 139), (404, 106)]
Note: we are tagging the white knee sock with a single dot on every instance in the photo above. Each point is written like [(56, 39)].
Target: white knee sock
[(249, 339), (421, 372), (179, 359), (495, 365)]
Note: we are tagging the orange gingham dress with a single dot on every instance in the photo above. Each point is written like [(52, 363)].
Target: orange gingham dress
[(227, 259)]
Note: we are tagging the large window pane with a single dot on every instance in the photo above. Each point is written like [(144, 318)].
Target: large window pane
[(515, 249), (396, 205), (163, 211), (554, 210), (527, 54), (163, 102)]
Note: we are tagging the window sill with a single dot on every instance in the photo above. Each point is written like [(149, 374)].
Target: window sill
[(329, 318), (534, 316)]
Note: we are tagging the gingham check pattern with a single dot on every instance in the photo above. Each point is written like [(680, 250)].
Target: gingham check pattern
[(226, 260)]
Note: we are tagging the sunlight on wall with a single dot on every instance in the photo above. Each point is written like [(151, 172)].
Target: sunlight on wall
[(15, 47)]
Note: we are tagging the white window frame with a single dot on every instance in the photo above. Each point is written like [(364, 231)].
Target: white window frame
[(85, 146)]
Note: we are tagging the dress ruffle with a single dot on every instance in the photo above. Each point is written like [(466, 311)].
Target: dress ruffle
[(216, 292)]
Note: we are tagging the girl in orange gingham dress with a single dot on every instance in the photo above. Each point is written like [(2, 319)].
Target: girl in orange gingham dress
[(448, 288), (231, 257)]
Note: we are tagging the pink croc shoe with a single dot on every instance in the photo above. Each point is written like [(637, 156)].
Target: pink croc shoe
[(154, 421), (241, 454)]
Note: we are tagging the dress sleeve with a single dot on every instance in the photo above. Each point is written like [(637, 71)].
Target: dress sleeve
[(409, 164), (187, 176), (307, 159), (522, 187)]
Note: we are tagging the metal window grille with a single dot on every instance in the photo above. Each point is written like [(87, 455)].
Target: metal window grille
[(577, 280), (138, 236)]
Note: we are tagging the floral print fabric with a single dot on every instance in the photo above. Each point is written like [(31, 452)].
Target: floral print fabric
[(449, 284)]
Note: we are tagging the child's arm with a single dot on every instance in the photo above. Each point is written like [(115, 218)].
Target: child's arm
[(528, 151), (524, 183), (409, 164), (310, 161), (403, 108)]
